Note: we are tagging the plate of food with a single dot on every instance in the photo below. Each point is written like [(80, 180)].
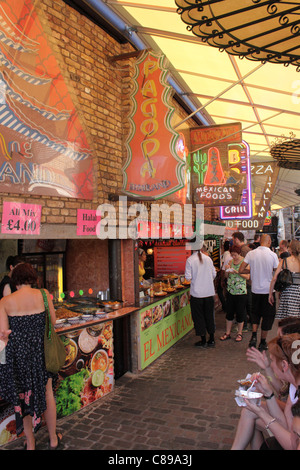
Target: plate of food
[(169, 289), (71, 353), (146, 319), (100, 361), (254, 397), (160, 293), (157, 313)]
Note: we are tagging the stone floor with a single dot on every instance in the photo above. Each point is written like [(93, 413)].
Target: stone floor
[(183, 401)]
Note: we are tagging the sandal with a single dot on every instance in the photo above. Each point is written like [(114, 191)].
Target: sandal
[(58, 446), (239, 338), (225, 337)]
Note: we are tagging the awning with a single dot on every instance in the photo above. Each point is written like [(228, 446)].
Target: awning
[(264, 97)]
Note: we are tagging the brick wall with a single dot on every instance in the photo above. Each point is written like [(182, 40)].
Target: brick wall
[(100, 88), (82, 50)]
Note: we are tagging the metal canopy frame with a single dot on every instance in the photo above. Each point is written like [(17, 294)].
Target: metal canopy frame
[(287, 154), (259, 30), (266, 101)]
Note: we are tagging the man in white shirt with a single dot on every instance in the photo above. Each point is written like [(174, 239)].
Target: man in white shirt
[(201, 272), (262, 262)]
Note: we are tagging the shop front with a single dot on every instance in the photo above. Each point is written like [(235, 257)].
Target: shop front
[(92, 315)]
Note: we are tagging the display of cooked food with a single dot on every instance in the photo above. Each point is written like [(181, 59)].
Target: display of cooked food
[(160, 293), (169, 289), (157, 286), (63, 312)]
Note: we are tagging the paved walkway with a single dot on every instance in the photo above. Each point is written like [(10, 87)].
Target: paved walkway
[(183, 401)]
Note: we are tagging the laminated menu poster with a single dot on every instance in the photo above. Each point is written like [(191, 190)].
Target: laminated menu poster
[(88, 373), (162, 324)]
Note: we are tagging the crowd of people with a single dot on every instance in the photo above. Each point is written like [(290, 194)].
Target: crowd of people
[(245, 286), (24, 381), (246, 290)]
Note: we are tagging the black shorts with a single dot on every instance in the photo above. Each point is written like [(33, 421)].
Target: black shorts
[(236, 307), (263, 310)]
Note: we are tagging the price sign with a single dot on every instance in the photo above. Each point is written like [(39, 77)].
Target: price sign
[(21, 219)]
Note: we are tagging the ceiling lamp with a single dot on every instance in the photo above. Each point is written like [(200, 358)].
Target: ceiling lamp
[(267, 31), (287, 154)]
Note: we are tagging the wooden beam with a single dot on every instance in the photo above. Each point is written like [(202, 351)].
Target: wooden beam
[(125, 56)]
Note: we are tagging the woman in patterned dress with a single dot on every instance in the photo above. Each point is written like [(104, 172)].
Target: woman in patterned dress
[(236, 294), (289, 300), (24, 380)]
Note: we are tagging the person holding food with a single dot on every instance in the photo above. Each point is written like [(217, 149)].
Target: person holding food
[(24, 380), (236, 299), (201, 272), (255, 420)]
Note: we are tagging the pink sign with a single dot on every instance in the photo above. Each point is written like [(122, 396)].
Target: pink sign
[(21, 219), (87, 221)]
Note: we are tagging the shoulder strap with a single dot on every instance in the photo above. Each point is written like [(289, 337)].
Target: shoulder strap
[(47, 312)]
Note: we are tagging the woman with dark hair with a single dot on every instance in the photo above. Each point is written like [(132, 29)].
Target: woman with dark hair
[(236, 295), (24, 380), (6, 285), (201, 272)]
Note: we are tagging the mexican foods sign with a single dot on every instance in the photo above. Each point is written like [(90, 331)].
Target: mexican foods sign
[(153, 168), (219, 175)]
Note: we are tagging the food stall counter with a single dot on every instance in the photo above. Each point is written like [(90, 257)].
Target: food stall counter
[(88, 372), (160, 322)]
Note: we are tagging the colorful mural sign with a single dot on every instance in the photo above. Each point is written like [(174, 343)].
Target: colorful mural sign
[(153, 167), (43, 146), (218, 176), (162, 325)]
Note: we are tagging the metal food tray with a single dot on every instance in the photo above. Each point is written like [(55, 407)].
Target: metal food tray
[(113, 306)]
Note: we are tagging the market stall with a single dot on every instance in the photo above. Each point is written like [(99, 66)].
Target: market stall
[(86, 328)]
